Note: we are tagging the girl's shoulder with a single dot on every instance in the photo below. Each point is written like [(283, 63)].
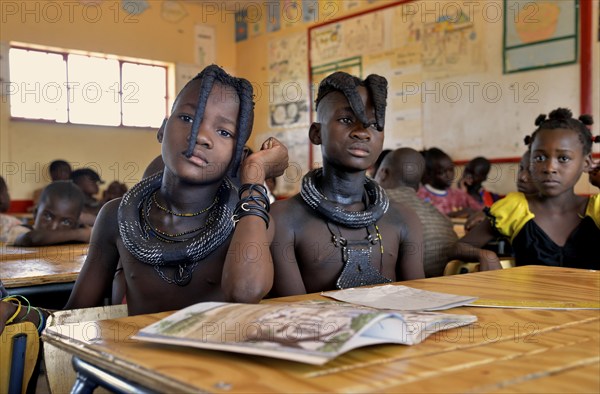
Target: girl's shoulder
[(515, 201), (510, 214), (593, 209)]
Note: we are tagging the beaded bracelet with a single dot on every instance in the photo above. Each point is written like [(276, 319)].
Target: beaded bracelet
[(14, 315), (42, 323)]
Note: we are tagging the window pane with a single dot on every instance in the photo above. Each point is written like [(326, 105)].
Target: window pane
[(37, 85), (144, 95), (94, 91)]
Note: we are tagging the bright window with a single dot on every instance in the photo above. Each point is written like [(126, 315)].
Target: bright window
[(82, 89)]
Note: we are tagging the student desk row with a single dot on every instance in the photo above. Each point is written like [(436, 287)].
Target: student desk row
[(507, 350), (38, 270)]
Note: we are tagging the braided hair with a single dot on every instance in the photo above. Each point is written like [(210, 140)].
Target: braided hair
[(243, 88), (562, 118), (348, 85)]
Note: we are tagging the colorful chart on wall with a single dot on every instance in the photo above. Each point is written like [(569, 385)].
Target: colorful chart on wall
[(288, 95), (539, 34)]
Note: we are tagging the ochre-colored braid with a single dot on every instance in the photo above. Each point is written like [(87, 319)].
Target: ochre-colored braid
[(245, 121), (378, 85), (207, 77), (348, 85)]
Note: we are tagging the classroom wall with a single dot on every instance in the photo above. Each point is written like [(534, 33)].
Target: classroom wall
[(490, 122), (163, 32)]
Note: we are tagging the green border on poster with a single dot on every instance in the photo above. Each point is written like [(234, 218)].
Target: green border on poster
[(574, 37)]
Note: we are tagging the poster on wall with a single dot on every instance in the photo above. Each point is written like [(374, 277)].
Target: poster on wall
[(539, 34), (204, 45), (452, 46), (288, 93), (241, 26)]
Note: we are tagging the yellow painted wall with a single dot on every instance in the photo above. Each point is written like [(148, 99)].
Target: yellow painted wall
[(479, 125), (163, 34)]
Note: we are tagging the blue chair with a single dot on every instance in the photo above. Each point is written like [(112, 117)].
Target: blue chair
[(19, 350)]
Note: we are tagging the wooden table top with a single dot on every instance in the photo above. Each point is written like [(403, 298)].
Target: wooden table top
[(507, 350), (21, 266)]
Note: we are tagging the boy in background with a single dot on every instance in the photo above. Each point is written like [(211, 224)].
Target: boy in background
[(437, 186), (400, 174), (10, 226), (57, 217), (59, 170), (88, 181), (475, 173)]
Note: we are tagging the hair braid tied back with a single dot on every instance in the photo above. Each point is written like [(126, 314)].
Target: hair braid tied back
[(348, 85)]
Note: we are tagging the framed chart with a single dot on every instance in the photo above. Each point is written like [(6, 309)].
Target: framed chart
[(539, 34)]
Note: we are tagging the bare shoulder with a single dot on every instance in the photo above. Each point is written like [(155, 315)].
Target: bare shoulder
[(108, 219), (290, 210)]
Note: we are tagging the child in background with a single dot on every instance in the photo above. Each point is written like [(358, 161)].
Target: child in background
[(524, 185), (10, 226), (341, 230), (114, 190), (595, 176), (400, 174), (552, 226), (59, 170), (475, 173), (372, 171), (88, 181), (437, 186), (57, 217)]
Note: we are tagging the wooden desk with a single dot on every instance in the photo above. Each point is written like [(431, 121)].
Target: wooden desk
[(23, 267), (34, 272), (459, 229), (507, 350), (458, 220)]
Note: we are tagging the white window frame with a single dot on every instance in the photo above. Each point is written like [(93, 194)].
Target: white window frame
[(16, 90)]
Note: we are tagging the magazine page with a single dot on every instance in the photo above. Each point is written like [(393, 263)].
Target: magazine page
[(313, 332), (398, 297)]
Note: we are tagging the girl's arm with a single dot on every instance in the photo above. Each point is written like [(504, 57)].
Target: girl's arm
[(53, 237), (100, 265), (469, 249), (248, 269), (411, 251)]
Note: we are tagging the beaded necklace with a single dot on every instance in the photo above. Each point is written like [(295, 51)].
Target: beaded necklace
[(186, 215), (163, 235), (377, 204), (159, 250), (356, 254)]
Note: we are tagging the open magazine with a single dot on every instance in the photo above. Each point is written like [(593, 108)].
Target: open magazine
[(311, 332)]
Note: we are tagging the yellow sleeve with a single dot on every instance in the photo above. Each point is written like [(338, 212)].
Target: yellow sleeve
[(593, 209), (510, 214)]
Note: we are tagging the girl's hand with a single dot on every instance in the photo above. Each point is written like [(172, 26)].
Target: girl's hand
[(488, 261), (270, 162), (474, 220)]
